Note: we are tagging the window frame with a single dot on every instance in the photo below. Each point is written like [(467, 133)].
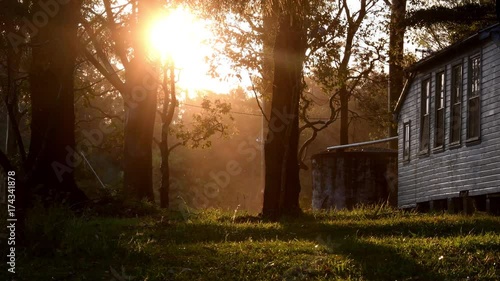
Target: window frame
[(439, 109), (473, 96), (407, 141), (425, 118), (456, 103)]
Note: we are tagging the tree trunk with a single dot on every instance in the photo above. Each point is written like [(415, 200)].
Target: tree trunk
[(291, 203), (169, 106), (140, 111), (51, 159), (13, 116), (344, 116), (396, 47), (10, 143), (165, 171), (281, 145), (139, 93), (270, 25)]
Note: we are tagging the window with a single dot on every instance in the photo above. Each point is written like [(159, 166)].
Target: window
[(424, 116), (406, 141), (439, 107), (456, 102), (473, 110)]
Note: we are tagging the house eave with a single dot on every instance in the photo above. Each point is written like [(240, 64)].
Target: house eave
[(404, 93), (457, 48)]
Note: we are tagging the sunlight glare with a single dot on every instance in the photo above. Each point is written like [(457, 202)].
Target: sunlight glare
[(181, 37), (178, 35)]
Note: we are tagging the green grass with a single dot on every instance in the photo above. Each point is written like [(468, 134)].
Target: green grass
[(364, 244)]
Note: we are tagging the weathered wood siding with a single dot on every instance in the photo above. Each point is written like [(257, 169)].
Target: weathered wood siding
[(476, 167)]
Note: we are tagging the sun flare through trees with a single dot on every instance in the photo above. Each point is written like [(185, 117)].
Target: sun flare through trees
[(180, 37)]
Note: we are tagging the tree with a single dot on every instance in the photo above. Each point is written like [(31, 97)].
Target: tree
[(47, 41), (52, 141), (371, 98), (99, 123), (444, 22), (339, 44), (199, 173), (138, 86), (320, 25), (396, 51), (167, 116), (252, 44), (272, 44), (349, 55), (13, 80), (206, 124), (282, 185)]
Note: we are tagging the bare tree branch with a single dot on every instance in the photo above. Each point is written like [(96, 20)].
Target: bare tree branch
[(98, 47), (110, 116), (174, 146), (257, 100), (118, 43), (112, 77)]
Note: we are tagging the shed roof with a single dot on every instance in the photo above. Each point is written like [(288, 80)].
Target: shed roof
[(492, 32)]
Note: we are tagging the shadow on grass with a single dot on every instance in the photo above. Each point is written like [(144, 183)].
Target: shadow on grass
[(377, 261), (309, 229), (382, 262), (79, 250), (158, 247)]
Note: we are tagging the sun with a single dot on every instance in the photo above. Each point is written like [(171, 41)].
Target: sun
[(180, 37)]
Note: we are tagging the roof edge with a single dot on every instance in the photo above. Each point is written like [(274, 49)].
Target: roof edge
[(477, 37), (404, 93)]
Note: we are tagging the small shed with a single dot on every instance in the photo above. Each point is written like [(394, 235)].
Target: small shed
[(349, 177)]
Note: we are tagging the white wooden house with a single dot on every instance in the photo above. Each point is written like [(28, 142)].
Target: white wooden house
[(449, 125)]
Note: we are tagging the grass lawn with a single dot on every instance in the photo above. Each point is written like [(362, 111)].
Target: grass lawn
[(364, 244)]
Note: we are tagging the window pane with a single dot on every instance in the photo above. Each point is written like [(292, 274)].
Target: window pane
[(439, 134), (474, 87), (406, 141), (427, 94), (439, 107), (473, 118), (440, 90), (473, 110), (456, 123), (424, 118), (457, 84), (456, 99), (424, 137)]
